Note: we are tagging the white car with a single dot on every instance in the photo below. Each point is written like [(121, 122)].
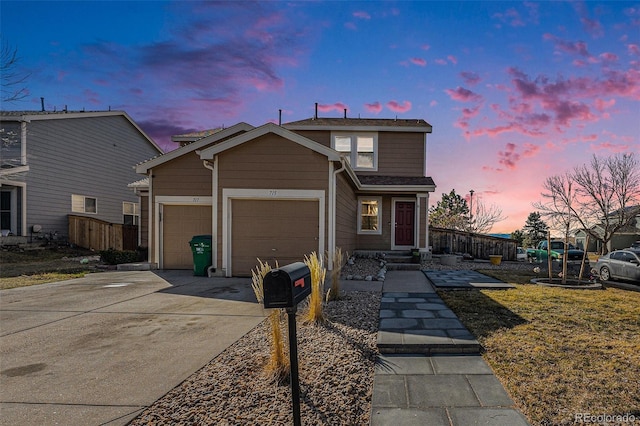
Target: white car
[(521, 254)]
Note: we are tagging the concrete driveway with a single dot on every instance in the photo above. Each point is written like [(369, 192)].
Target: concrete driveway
[(99, 349)]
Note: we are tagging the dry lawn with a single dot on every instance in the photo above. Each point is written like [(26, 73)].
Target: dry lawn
[(24, 268), (559, 352)]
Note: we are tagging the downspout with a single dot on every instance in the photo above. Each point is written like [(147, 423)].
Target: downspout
[(23, 162), (214, 215), (23, 143), (153, 225), (332, 213)]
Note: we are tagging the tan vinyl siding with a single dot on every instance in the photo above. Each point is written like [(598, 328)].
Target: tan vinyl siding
[(399, 154), (323, 137), (184, 176), (346, 215), (382, 241), (143, 226), (270, 162)]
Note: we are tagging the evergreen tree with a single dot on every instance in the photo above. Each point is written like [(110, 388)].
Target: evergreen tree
[(534, 230), (451, 212), (519, 236)]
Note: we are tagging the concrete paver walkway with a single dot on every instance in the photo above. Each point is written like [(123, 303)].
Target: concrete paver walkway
[(413, 384), (464, 279)]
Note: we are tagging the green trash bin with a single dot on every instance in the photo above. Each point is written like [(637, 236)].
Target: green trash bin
[(201, 250)]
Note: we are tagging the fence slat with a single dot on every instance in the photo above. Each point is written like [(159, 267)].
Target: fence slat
[(96, 234), (478, 245)]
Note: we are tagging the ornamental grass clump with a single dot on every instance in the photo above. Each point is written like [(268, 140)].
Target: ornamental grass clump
[(318, 272), (278, 365), (338, 262)]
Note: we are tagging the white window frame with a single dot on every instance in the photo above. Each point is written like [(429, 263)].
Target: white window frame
[(76, 198), (353, 154), (366, 231), (136, 211)]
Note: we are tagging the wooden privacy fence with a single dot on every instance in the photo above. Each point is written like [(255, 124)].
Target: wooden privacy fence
[(98, 234), (478, 245)]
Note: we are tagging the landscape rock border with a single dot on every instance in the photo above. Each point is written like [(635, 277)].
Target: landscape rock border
[(585, 286)]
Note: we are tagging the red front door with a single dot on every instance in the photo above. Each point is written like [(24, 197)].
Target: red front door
[(405, 215)]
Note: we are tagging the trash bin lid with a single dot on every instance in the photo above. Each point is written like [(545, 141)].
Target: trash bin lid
[(200, 239)]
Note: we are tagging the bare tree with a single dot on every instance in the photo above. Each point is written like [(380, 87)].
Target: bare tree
[(609, 191), (12, 81), (559, 209), (485, 217)]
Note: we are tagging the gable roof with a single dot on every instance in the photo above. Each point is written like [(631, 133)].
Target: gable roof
[(210, 152), (194, 136), (361, 124), (29, 116), (200, 143)]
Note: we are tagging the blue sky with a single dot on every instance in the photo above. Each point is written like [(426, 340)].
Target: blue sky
[(515, 91)]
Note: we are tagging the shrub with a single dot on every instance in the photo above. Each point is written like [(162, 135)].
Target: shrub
[(278, 365), (116, 257), (318, 272), (338, 262)]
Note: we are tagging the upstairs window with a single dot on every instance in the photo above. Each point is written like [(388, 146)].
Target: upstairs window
[(131, 213), (84, 204), (362, 148), (369, 215)]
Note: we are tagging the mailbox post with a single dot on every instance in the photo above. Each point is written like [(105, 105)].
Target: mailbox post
[(285, 287)]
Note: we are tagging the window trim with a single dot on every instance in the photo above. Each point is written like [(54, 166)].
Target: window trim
[(353, 154), (135, 214), (84, 204), (365, 231)]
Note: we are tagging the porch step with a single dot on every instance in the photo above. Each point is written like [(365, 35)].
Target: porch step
[(421, 323), (398, 258), (402, 266)]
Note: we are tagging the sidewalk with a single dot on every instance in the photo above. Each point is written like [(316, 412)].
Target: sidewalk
[(430, 371)]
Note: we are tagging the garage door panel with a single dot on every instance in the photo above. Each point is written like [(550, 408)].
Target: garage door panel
[(282, 230), (179, 225)]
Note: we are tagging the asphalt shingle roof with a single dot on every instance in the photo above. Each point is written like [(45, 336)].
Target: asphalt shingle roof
[(372, 122), (396, 180)]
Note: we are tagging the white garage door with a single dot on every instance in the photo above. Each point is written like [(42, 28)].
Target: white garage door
[(179, 225), (282, 230)]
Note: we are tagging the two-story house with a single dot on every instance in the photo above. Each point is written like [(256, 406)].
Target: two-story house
[(280, 192), (55, 164)]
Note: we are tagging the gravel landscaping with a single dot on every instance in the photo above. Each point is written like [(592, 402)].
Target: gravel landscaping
[(336, 366)]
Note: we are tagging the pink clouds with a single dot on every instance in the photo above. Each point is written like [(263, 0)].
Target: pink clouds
[(395, 106), (574, 48), (591, 26), (610, 147), (418, 61), (405, 106), (510, 17), (470, 78), (338, 106), (463, 95), (374, 107), (360, 14), (509, 157)]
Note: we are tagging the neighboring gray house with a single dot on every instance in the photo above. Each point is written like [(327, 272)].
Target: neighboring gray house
[(623, 238), (53, 164)]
